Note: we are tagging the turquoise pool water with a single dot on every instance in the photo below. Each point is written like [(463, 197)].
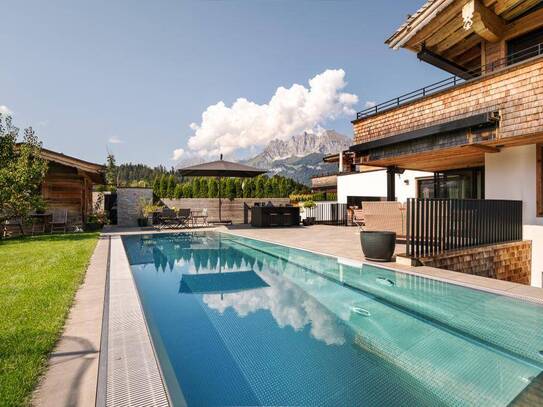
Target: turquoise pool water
[(238, 321)]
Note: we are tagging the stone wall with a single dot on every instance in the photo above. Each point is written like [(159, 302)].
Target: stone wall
[(516, 92), (505, 261), (128, 204), (231, 209)]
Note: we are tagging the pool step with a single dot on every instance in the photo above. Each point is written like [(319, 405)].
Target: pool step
[(532, 395)]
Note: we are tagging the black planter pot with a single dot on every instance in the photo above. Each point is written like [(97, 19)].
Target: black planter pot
[(378, 246), (142, 222)]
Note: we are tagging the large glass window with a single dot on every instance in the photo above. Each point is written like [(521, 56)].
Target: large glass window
[(455, 184)]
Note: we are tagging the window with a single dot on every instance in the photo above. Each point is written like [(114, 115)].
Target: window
[(524, 47), (454, 184)]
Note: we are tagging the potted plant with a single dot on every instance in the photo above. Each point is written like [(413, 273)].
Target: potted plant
[(40, 206), (95, 221), (307, 220), (149, 210), (142, 216), (378, 245)]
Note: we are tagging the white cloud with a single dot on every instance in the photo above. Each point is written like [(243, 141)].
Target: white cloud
[(369, 103), (245, 124), (177, 154), (4, 110), (115, 140)]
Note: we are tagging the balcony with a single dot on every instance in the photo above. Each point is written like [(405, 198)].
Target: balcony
[(452, 81), (409, 131)]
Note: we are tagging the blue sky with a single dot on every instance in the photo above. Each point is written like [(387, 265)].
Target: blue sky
[(85, 73)]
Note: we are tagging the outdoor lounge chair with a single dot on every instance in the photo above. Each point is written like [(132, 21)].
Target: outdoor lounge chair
[(59, 221), (167, 218), (184, 218)]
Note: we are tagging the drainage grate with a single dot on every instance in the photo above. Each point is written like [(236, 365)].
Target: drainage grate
[(133, 376)]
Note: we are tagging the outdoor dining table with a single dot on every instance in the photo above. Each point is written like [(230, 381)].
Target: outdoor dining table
[(41, 220)]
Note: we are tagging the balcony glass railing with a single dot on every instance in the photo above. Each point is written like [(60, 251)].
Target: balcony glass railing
[(528, 53)]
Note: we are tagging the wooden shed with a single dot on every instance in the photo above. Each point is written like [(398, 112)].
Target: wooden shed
[(68, 184)]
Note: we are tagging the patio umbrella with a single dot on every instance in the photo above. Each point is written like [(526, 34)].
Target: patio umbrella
[(219, 169)]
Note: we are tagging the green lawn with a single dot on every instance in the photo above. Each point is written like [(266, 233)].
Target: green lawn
[(38, 279)]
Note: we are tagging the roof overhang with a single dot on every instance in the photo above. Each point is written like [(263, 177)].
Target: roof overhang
[(416, 22), (476, 121)]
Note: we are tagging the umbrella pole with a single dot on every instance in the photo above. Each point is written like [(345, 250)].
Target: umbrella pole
[(220, 202)]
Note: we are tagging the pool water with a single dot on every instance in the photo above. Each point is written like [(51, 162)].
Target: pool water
[(237, 321)]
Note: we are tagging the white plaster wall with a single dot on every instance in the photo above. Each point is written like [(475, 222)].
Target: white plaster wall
[(511, 174), (375, 184)]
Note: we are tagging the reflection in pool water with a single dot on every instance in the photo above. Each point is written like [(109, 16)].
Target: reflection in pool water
[(241, 322)]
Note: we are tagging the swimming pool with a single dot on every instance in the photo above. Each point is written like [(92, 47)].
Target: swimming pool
[(237, 321)]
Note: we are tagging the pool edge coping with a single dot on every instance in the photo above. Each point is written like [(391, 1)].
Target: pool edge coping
[(144, 334)]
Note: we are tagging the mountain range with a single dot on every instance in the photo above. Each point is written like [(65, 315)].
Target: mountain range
[(298, 157)]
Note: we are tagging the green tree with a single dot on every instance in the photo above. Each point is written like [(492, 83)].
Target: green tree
[(178, 191), (163, 186), (268, 188), (204, 188), (212, 188), (171, 186), (248, 187), (238, 188), (259, 187), (156, 186), (111, 170), (283, 188), (230, 191), (187, 190), (21, 171), (196, 187)]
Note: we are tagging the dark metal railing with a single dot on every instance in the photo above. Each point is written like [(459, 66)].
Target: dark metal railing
[(453, 81), (329, 214), (436, 225)]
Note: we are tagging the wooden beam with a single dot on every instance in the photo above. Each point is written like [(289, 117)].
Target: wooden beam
[(525, 24), (483, 21), (503, 6), (521, 8), (453, 39), (436, 24), (461, 47), (483, 147)]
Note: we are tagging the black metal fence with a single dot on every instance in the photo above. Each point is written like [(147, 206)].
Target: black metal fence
[(329, 214), (436, 225)]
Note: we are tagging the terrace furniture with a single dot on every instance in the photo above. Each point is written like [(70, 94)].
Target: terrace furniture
[(59, 220), (40, 221), (199, 218), (384, 216), (167, 218), (265, 216), (358, 218), (184, 217), (15, 223)]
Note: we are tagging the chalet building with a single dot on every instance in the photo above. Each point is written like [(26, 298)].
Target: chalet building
[(68, 184), (479, 131)]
